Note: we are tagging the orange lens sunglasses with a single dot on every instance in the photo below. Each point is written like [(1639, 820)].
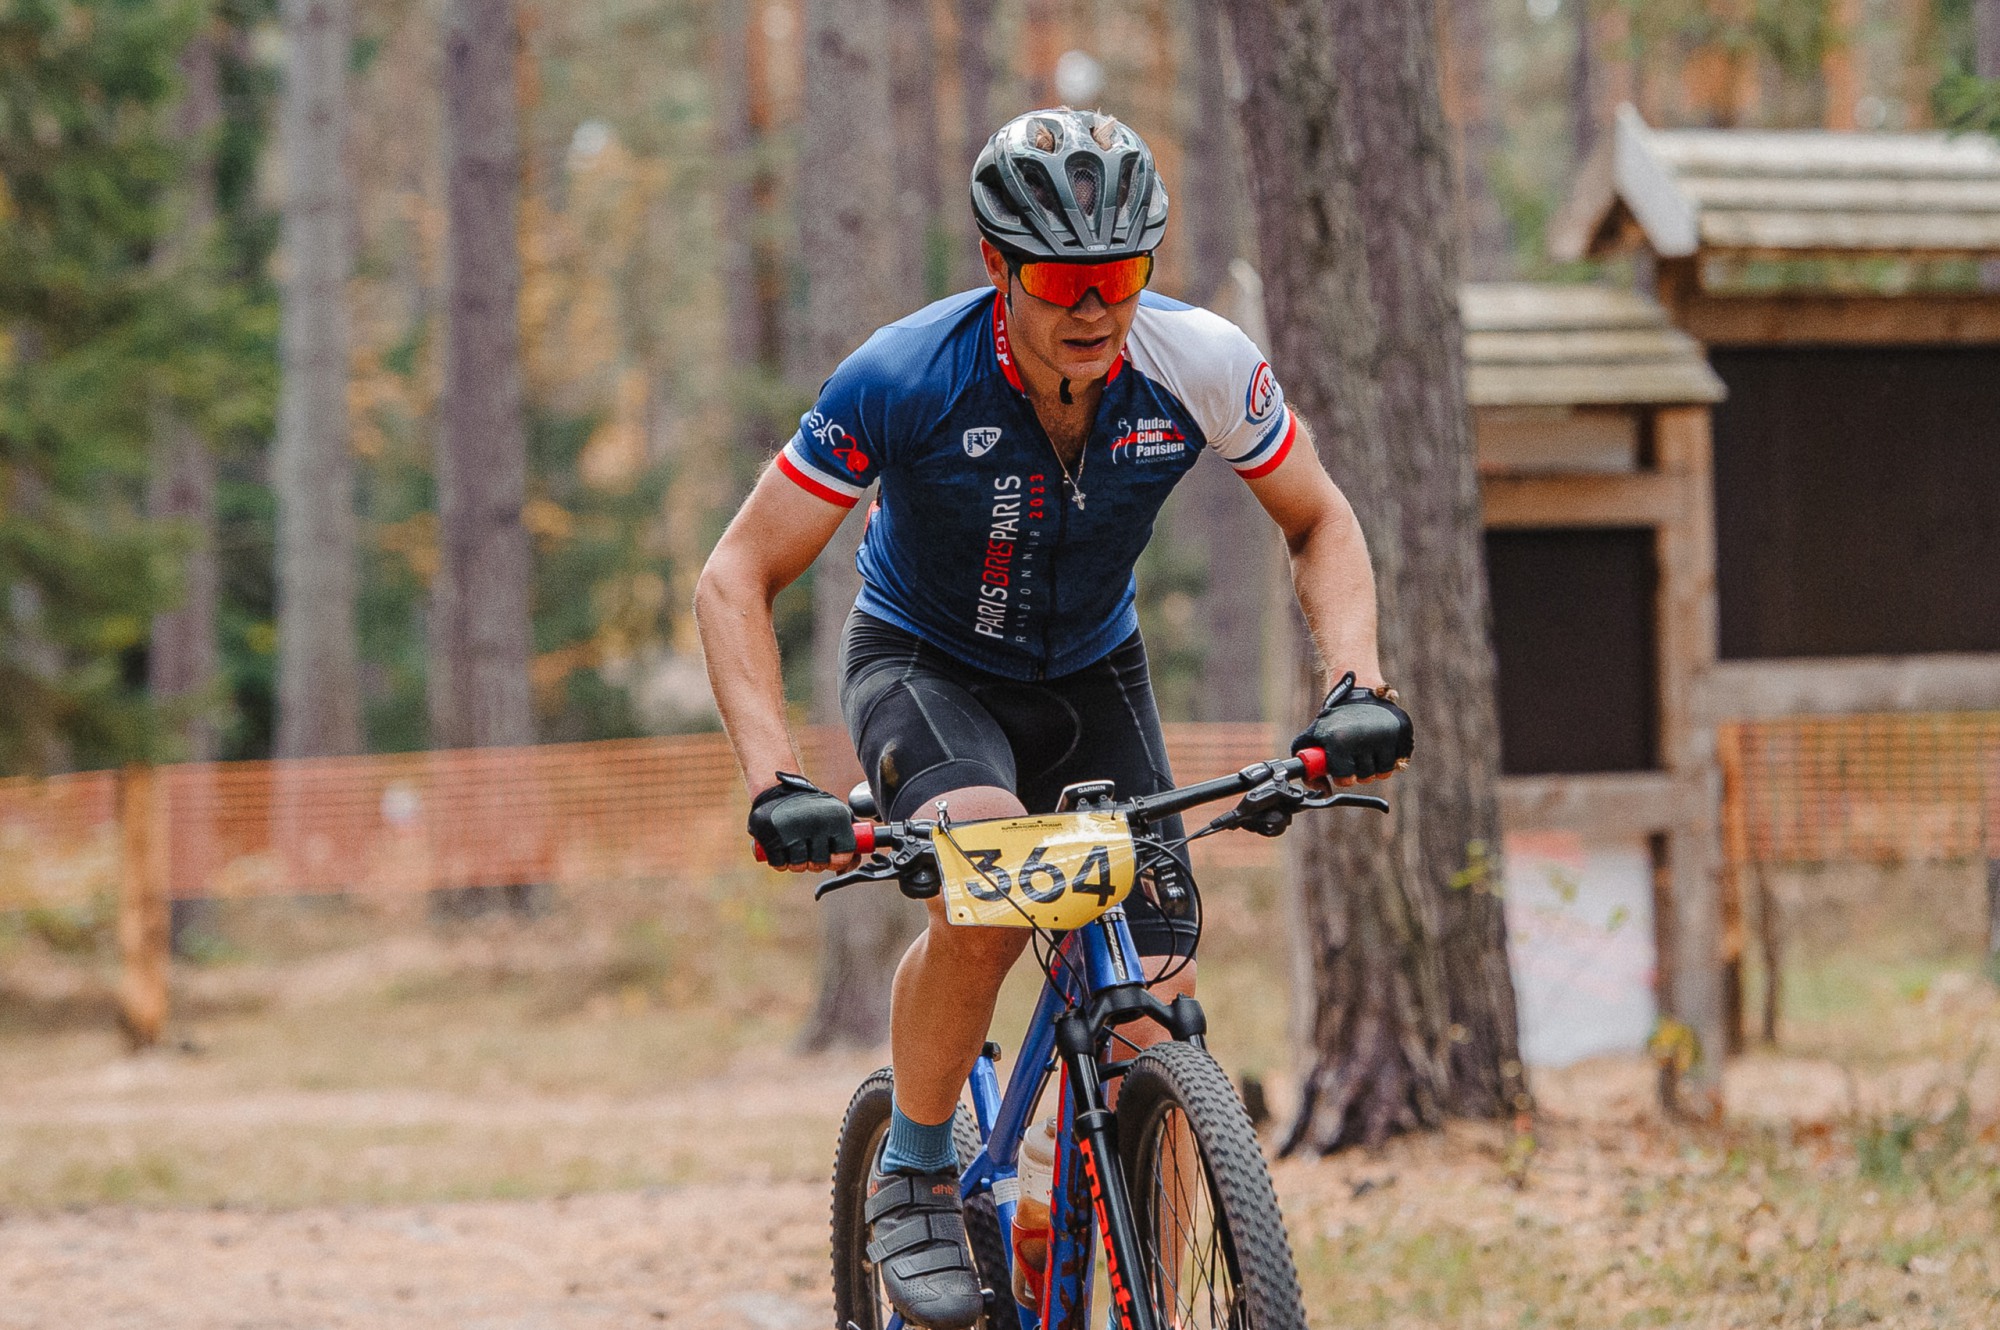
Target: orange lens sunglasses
[(1067, 283)]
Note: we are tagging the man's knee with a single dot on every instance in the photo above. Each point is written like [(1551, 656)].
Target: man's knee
[(967, 950)]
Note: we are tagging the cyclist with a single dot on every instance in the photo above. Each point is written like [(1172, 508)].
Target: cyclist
[(1024, 437)]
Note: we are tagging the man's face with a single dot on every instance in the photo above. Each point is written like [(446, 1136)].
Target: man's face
[(1080, 343)]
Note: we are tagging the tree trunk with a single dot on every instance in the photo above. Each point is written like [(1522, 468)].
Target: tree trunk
[(183, 655), (1207, 204), (1986, 38), (1409, 1006), (319, 699), (975, 78), (1217, 513), (480, 637), (1041, 47), (752, 272), (181, 659), (1582, 86), (917, 177), (1467, 44), (852, 244)]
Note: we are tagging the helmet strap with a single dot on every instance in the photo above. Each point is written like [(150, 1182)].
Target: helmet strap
[(1063, 392)]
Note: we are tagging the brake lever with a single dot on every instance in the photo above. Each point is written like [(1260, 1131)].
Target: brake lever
[(875, 869), (1340, 800), (1268, 808)]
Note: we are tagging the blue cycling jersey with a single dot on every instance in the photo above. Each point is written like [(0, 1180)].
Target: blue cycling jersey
[(978, 544)]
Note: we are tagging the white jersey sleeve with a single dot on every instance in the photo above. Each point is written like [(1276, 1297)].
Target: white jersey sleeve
[(1221, 377)]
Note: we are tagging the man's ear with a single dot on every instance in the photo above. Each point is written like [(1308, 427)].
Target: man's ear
[(996, 263)]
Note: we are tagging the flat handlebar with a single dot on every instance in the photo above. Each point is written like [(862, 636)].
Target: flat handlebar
[(1308, 764)]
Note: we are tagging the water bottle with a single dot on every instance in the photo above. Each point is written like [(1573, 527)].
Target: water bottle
[(1031, 1214)]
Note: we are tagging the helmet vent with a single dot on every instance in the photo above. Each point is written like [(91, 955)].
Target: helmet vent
[(1041, 188), (1126, 173), (994, 199), (1046, 136), (1084, 181)]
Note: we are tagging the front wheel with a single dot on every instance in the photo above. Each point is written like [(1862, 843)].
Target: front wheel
[(1215, 1256)]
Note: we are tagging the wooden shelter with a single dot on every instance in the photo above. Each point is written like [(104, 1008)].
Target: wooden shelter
[(1592, 419), (1843, 288)]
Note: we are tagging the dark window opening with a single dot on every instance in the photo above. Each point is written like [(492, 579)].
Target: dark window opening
[(1574, 632), (1857, 501)]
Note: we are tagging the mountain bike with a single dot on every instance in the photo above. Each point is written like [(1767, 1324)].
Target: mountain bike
[(1171, 1183)]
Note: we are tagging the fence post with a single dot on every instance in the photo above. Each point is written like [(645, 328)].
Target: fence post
[(144, 931), (1990, 816), (1735, 860)]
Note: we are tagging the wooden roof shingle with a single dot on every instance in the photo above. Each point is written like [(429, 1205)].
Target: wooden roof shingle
[(1782, 192), (1552, 344)]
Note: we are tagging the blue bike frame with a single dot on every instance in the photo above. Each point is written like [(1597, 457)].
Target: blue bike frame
[(1104, 955)]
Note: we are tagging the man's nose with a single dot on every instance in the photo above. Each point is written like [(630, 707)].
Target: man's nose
[(1091, 306)]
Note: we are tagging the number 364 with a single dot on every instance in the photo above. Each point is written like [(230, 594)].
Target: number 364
[(1038, 879)]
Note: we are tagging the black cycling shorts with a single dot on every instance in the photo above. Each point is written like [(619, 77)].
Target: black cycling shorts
[(925, 723)]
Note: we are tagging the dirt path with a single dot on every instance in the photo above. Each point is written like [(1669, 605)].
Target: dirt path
[(737, 1239), (749, 1258), (1632, 1212), (246, 1198)]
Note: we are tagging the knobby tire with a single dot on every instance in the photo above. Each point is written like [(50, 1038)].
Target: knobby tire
[(1234, 1270)]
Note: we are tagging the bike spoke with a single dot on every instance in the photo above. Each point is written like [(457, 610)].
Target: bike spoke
[(1187, 1265)]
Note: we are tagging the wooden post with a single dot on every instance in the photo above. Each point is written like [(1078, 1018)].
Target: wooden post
[(1735, 862), (144, 936), (1992, 821), (1993, 913), (1770, 933), (1687, 644), (1839, 69)]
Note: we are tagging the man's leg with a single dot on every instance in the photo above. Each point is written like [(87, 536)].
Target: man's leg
[(941, 1007), (945, 989)]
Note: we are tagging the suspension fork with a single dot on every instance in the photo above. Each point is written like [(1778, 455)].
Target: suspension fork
[(1095, 1130)]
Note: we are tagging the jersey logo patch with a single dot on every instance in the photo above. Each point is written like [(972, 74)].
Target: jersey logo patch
[(980, 440), (1262, 399), (1150, 439), (837, 441)]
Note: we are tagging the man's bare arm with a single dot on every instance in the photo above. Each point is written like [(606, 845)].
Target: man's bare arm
[(1329, 555), (774, 537)]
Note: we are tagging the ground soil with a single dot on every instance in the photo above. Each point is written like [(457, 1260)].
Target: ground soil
[(402, 1137)]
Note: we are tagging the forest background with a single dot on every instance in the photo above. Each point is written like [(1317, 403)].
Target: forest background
[(665, 178)]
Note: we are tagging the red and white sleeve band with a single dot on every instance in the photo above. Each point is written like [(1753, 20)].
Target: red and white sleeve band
[(1272, 453), (815, 481)]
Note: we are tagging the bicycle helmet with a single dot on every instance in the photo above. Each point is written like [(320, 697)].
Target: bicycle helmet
[(1063, 184)]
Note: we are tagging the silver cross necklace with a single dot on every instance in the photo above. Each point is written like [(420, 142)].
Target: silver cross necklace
[(1074, 482), (1082, 458)]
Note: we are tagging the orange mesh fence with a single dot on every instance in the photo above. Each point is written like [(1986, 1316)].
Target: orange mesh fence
[(1903, 786), (564, 814), (1906, 786), (58, 840)]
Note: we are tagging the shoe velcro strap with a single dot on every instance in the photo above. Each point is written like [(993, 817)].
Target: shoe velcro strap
[(936, 1260), (916, 1193), (912, 1232)]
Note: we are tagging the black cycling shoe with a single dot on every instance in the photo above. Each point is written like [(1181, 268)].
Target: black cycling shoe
[(916, 1230)]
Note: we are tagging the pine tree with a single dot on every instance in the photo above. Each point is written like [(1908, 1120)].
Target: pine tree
[(480, 633), (850, 242), (1409, 1008), (319, 699), (95, 336)]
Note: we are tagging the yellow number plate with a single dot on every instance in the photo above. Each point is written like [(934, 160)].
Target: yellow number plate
[(1059, 871)]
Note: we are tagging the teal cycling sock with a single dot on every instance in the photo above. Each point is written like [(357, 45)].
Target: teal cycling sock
[(914, 1148)]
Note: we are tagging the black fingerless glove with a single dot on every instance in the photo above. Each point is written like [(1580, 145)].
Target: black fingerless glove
[(1364, 734), (799, 823)]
